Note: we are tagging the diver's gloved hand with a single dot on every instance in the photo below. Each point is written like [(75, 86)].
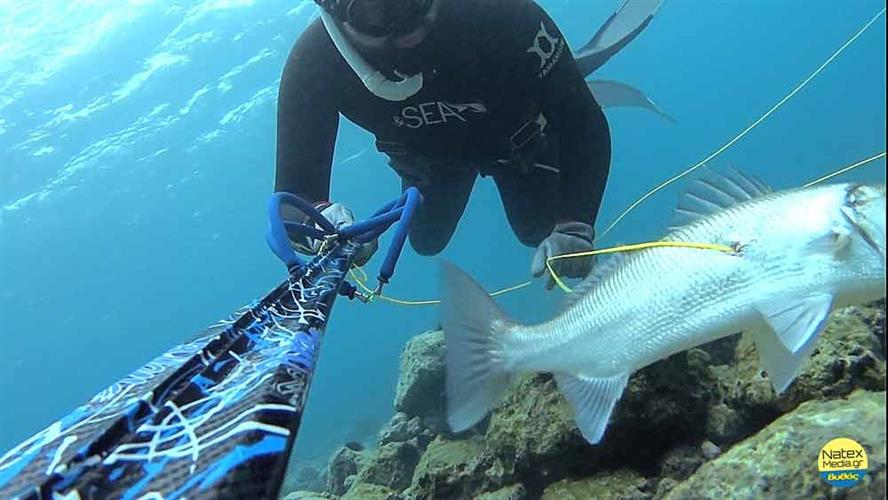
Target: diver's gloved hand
[(340, 216), (566, 238)]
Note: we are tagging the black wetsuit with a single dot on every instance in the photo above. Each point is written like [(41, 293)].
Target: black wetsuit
[(490, 67)]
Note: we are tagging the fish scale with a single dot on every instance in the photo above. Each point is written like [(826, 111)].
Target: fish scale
[(625, 309), (799, 255)]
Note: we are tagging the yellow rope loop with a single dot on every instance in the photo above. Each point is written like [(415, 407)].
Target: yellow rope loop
[(632, 248)]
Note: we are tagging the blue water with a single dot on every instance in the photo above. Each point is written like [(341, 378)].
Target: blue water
[(138, 146)]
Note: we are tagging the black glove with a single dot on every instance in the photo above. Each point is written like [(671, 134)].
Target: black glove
[(566, 238)]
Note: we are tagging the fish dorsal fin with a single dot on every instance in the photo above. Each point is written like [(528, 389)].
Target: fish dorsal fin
[(797, 321), (714, 193), (601, 270)]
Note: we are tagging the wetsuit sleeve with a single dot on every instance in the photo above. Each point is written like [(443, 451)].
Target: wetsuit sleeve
[(307, 118), (547, 71)]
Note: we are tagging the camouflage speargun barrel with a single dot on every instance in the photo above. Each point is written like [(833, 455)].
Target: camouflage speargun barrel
[(215, 417)]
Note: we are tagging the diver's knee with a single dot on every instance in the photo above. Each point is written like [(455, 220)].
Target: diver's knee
[(427, 245), (532, 235)]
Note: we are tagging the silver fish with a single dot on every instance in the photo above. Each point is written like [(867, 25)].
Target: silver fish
[(799, 254)]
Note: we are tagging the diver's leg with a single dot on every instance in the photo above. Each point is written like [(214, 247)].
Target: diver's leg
[(443, 203), (530, 201)]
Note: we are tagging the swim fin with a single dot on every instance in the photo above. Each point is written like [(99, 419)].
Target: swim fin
[(622, 27), (613, 94)]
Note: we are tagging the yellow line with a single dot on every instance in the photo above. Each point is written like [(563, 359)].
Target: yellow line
[(843, 170), (360, 276), (511, 288), (649, 244), (631, 248), (744, 132), (360, 280)]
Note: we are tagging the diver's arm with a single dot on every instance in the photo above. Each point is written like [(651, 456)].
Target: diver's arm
[(307, 119), (584, 145), (574, 119)]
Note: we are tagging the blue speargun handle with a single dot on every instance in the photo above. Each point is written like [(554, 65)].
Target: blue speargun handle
[(317, 226)]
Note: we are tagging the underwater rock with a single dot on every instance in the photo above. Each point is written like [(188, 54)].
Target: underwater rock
[(366, 491), (709, 450), (307, 495), (533, 422), (664, 486), (513, 492), (533, 436), (420, 390), (349, 482), (354, 446), (664, 404), (873, 316), (623, 484), (396, 429), (675, 418), (781, 460), (343, 464), (451, 469), (679, 463), (391, 465), (847, 356), (402, 428)]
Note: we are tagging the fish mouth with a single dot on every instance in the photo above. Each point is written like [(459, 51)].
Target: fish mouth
[(873, 243)]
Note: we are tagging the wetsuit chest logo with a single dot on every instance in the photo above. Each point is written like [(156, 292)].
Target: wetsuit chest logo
[(437, 112), (548, 48)]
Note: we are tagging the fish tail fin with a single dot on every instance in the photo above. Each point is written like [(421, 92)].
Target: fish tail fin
[(476, 333)]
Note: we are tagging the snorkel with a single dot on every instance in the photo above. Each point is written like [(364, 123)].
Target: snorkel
[(346, 37)]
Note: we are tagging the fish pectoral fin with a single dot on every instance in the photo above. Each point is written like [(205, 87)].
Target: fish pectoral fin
[(834, 242), (781, 365), (593, 400), (797, 321)]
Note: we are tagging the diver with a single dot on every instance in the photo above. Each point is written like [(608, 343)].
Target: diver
[(452, 90)]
